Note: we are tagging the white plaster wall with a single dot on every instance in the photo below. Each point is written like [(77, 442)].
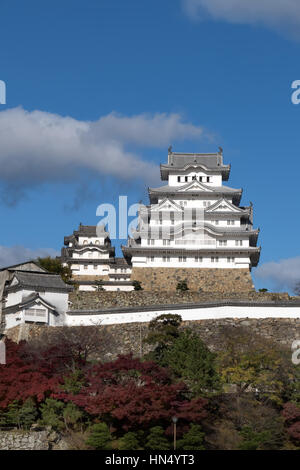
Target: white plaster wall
[(14, 319), (240, 262), (215, 180), (209, 313), (92, 288), (93, 240), (93, 254), (101, 269)]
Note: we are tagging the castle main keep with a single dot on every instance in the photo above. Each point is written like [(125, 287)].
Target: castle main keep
[(194, 229)]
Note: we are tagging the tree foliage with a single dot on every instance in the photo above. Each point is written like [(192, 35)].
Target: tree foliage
[(100, 437), (129, 441), (182, 286), (157, 440), (193, 439), (130, 394), (190, 360), (163, 330), (53, 265), (250, 362)]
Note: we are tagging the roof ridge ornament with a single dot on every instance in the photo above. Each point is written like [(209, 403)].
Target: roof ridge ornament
[(170, 154)]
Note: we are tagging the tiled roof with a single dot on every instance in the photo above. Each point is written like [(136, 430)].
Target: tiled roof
[(30, 265), (40, 281), (210, 160), (178, 189)]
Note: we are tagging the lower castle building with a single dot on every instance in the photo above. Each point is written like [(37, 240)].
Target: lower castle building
[(91, 257)]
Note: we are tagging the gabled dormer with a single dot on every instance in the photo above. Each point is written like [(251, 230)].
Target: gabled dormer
[(195, 186), (223, 205), (166, 205)]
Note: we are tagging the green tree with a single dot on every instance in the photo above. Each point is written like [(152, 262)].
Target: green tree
[(193, 439), (253, 440), (20, 415), (52, 413), (137, 285), (28, 414), (182, 286), (100, 437), (72, 416), (73, 382), (163, 330), (129, 442), (157, 440), (252, 362), (190, 359), (11, 415), (53, 265)]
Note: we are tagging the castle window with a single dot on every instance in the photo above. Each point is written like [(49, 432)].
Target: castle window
[(200, 179), (95, 266), (208, 179), (97, 242), (223, 242), (178, 179), (214, 259), (230, 222), (238, 242), (85, 242), (166, 242), (85, 266), (217, 222), (230, 260), (186, 179), (198, 259)]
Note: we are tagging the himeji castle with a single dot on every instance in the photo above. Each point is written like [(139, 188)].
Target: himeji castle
[(194, 228)]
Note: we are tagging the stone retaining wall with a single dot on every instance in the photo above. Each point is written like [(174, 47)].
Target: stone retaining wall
[(128, 337), (83, 300), (204, 279), (27, 440)]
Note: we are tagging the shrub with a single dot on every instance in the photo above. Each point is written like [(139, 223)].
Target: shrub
[(100, 437), (137, 285), (156, 439), (182, 286), (193, 439)]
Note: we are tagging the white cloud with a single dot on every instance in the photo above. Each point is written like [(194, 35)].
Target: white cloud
[(37, 146), (10, 255), (282, 274), (278, 14)]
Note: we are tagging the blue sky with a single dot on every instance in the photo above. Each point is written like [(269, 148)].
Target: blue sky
[(97, 90)]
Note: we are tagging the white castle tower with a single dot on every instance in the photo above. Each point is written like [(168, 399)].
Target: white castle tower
[(194, 229)]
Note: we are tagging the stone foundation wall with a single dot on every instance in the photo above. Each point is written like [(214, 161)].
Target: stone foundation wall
[(204, 279), (83, 300), (27, 440), (127, 338)]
